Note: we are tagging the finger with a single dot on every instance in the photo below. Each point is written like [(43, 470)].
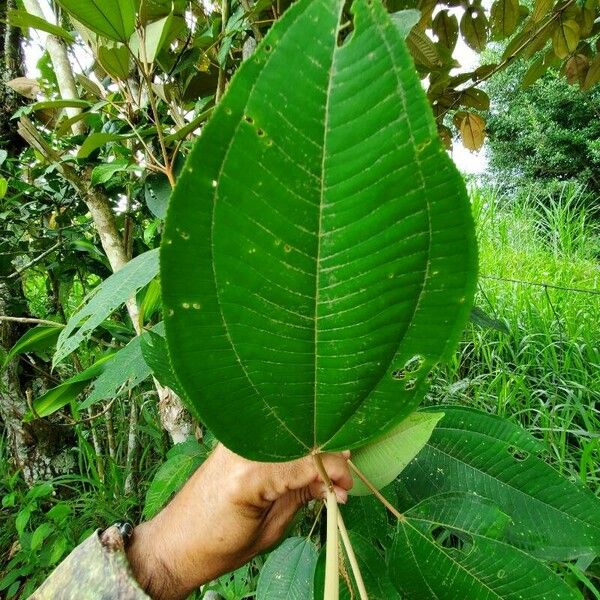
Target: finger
[(337, 469), (301, 473), (318, 490)]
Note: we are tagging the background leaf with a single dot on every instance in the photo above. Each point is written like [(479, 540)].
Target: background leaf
[(470, 451), (127, 370), (37, 339), (182, 461), (288, 571), (448, 548), (113, 19), (384, 458), (104, 300)]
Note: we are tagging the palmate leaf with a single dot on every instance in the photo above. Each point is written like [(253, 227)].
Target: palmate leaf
[(447, 547), (318, 240), (469, 451)]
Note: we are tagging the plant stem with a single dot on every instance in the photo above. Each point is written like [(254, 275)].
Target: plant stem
[(332, 579), (221, 79), (376, 492), (360, 584), (31, 320)]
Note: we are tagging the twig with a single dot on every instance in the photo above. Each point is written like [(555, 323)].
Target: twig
[(360, 584), (72, 422), (522, 46), (376, 492), (34, 261), (31, 320), (255, 30), (322, 504), (221, 79)]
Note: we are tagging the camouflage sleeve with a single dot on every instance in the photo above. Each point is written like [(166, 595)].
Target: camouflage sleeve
[(96, 570)]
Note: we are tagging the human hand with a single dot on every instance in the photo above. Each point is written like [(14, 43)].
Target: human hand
[(230, 510)]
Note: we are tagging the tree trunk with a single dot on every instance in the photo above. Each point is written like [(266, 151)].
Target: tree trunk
[(62, 67), (37, 448), (10, 68)]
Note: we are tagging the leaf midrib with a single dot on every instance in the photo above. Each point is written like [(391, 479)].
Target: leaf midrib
[(320, 223)]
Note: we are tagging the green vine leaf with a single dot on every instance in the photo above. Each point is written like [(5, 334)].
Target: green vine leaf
[(318, 240)]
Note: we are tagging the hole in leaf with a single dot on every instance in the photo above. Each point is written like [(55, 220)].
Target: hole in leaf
[(249, 119), (414, 363), (399, 374), (260, 132), (517, 453), (410, 384), (268, 48), (451, 540)]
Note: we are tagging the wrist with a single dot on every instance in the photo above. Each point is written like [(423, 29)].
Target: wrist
[(148, 559)]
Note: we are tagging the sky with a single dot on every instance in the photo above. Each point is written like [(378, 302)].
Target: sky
[(469, 163)]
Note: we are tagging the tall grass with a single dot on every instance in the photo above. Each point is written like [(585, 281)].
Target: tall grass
[(544, 371)]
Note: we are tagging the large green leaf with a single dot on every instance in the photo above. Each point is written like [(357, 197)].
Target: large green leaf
[(114, 19), (104, 300), (318, 240), (470, 451), (447, 547), (288, 572)]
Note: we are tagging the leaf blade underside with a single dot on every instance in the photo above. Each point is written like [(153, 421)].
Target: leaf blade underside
[(319, 255)]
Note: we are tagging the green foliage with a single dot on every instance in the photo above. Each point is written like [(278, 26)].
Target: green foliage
[(104, 300), (551, 518), (289, 571), (37, 339), (114, 19), (69, 390), (306, 322), (532, 356), (125, 371), (448, 547), (23, 19), (373, 568), (544, 133), (44, 531), (181, 462)]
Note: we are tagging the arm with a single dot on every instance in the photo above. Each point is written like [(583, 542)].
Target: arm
[(230, 510)]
